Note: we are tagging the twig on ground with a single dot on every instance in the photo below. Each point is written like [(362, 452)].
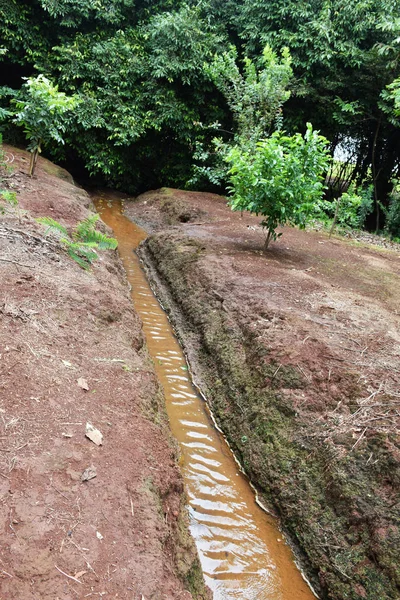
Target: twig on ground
[(69, 576), (33, 352), (14, 262), (276, 372), (5, 573), (30, 235), (359, 440), (304, 373), (11, 527), (57, 490), (81, 550), (341, 572)]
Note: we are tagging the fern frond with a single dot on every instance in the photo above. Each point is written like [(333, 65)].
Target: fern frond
[(78, 259), (80, 244), (85, 250), (85, 239), (85, 227), (53, 226), (103, 241)]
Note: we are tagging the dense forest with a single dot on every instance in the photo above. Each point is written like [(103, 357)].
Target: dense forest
[(159, 91)]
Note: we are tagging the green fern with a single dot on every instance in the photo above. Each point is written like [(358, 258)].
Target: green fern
[(53, 226), (85, 231), (99, 239), (83, 228), (9, 197), (84, 241), (83, 254), (82, 262)]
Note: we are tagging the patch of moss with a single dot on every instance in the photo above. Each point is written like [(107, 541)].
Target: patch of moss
[(194, 582)]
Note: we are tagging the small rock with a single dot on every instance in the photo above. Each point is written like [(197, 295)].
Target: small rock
[(89, 473), (83, 384), (99, 536), (94, 434), (80, 574)]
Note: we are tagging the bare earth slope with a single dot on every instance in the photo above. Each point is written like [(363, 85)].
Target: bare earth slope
[(298, 352), (123, 533)]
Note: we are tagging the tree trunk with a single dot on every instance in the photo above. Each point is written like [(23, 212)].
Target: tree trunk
[(335, 218), (32, 164), (375, 177), (267, 240), (34, 159)]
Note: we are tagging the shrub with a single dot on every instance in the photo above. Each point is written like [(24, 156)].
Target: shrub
[(281, 180), (350, 209)]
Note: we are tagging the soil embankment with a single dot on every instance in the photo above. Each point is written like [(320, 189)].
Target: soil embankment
[(298, 352), (71, 352)]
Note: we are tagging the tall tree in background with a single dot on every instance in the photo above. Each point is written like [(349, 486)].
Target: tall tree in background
[(141, 85), (344, 56), (137, 66)]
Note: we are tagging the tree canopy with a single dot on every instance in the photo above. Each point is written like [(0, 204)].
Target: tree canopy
[(148, 76), (344, 56)]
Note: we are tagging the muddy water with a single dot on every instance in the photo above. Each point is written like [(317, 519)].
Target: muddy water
[(242, 551)]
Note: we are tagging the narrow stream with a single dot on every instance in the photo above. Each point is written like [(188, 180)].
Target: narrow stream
[(242, 552)]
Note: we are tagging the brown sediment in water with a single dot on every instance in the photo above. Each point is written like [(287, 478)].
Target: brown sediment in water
[(242, 551)]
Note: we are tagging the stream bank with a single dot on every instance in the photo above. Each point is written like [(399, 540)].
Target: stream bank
[(80, 520), (293, 350)]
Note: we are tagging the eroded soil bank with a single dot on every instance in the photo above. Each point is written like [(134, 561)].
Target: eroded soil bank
[(298, 352), (123, 533)]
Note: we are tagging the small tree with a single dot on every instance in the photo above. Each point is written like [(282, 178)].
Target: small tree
[(43, 111), (255, 96), (392, 226), (281, 180)]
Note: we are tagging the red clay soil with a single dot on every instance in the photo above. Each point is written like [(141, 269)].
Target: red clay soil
[(121, 534), (335, 294), (298, 350)]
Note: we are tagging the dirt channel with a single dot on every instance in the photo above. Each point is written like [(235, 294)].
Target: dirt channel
[(242, 551), (71, 353), (298, 352)]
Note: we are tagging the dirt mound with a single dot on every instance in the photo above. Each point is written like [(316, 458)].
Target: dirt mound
[(165, 207), (78, 519), (298, 352)]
